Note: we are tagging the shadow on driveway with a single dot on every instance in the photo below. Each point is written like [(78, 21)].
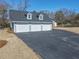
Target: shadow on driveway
[(56, 44)]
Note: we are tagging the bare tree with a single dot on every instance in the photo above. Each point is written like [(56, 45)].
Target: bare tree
[(59, 16), (3, 9), (52, 15), (68, 13), (65, 16), (75, 22), (23, 5)]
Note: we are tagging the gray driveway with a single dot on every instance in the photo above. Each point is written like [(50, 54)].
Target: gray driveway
[(56, 44)]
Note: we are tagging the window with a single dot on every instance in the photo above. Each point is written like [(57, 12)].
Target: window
[(29, 16), (40, 17)]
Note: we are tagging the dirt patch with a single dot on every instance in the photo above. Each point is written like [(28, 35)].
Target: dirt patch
[(3, 43)]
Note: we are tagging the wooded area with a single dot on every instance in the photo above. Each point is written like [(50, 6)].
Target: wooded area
[(3, 20), (65, 17)]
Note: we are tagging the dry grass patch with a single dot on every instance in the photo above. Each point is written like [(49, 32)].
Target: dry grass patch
[(8, 30), (14, 48), (70, 29), (3, 43)]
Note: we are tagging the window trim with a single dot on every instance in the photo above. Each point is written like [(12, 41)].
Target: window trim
[(29, 14), (41, 16)]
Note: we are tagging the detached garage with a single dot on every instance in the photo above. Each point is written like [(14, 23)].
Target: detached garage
[(31, 27), (23, 21)]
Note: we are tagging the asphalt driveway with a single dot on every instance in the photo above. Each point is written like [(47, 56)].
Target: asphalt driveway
[(56, 44)]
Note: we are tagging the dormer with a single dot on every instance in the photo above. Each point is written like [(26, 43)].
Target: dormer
[(41, 17), (29, 16)]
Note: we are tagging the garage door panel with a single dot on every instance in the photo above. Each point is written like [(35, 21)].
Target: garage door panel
[(46, 27), (35, 27), (21, 28)]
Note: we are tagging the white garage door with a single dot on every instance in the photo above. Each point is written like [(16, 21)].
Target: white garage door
[(21, 28), (46, 27), (36, 27), (31, 27)]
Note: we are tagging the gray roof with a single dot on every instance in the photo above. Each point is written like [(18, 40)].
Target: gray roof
[(16, 15)]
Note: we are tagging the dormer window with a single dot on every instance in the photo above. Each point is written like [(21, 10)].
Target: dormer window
[(41, 17), (29, 16)]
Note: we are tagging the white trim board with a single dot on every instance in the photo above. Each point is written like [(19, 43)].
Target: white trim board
[(32, 22)]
